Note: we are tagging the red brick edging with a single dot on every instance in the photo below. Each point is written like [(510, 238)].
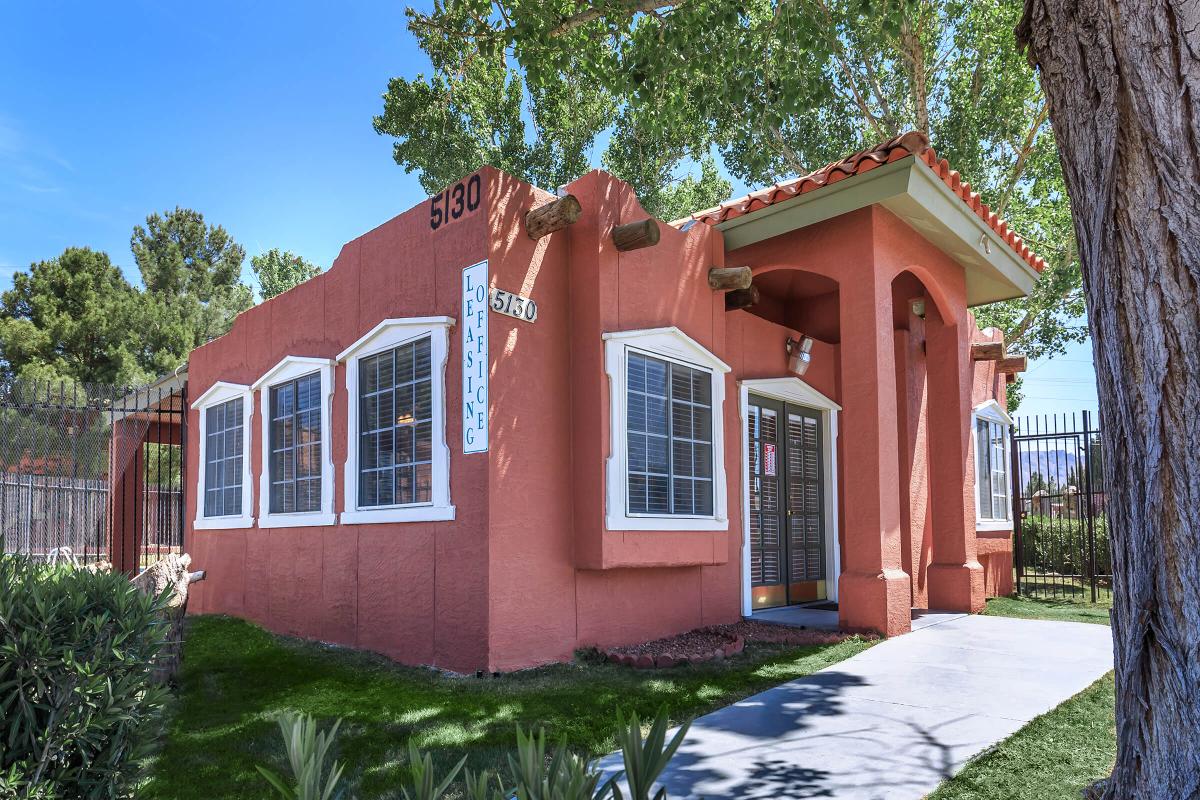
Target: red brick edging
[(666, 660)]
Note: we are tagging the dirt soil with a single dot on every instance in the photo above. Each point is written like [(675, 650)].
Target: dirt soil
[(715, 641)]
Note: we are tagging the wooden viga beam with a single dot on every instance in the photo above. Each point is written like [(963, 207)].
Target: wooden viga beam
[(741, 298), (1010, 365), (729, 278), (635, 235), (987, 351), (552, 216)]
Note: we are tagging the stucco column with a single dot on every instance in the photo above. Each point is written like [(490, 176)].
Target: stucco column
[(874, 592), (125, 494), (955, 575)]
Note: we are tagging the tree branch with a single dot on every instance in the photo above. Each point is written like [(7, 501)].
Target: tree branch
[(1022, 155)]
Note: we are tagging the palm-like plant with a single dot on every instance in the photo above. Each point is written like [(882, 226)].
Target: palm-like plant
[(307, 752)]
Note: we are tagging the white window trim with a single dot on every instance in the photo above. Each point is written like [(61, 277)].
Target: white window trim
[(222, 392), (386, 335), (991, 411), (290, 368), (674, 345), (795, 391)]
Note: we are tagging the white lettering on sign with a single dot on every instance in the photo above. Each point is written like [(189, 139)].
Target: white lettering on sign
[(514, 305), (475, 358), (768, 459)]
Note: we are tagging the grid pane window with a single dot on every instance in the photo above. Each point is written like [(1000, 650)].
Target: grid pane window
[(295, 440), (395, 445), (669, 438), (991, 470), (223, 453)]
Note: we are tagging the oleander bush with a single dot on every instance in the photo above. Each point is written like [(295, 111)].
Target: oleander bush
[(77, 705)]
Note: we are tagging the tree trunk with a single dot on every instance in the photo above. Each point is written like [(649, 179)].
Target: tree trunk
[(1123, 84)]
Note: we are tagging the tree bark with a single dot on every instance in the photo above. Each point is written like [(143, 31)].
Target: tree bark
[(1123, 85), (552, 216)]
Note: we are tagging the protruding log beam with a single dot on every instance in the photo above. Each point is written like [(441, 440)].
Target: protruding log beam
[(987, 351), (730, 277), (741, 298), (553, 216), (635, 235), (1011, 365)]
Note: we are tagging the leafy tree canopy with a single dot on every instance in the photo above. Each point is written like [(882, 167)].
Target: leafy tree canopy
[(192, 274), (279, 270), (772, 88), (71, 318)]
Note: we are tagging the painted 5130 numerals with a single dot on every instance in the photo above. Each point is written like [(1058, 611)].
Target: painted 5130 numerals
[(461, 198)]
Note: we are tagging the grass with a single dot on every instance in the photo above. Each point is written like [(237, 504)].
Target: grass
[(1062, 610), (236, 677), (1054, 756), (1059, 753)]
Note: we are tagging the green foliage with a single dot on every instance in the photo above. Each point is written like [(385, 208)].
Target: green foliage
[(1059, 546), (561, 776), (421, 782), (70, 319), (308, 752), (192, 274), (77, 651), (535, 773), (773, 87), (646, 760), (279, 270), (237, 677)]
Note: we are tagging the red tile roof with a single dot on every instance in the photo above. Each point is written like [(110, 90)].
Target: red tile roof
[(913, 143)]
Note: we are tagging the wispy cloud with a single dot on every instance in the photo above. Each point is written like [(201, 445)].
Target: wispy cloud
[(27, 164)]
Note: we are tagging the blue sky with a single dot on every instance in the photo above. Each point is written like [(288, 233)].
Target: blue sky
[(256, 114)]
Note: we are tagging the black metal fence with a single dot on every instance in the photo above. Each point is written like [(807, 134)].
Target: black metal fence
[(94, 473), (1061, 545)]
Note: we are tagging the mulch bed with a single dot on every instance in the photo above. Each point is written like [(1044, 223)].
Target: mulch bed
[(713, 643)]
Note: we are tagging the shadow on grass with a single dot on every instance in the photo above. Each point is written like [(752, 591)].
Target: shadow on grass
[(237, 677)]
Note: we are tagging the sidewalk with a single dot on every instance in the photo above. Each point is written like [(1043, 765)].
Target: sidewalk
[(893, 721)]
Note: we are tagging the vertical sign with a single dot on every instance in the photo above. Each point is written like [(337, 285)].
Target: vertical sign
[(769, 458), (475, 358)]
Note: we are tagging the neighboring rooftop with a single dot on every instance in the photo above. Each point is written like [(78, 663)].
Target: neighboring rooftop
[(913, 143)]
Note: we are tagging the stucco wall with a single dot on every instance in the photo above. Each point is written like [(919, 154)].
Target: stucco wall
[(417, 592)]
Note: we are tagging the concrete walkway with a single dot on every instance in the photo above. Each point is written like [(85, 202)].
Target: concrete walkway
[(893, 721)]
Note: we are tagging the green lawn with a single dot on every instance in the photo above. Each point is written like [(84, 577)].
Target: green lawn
[(1060, 752), (1064, 610), (1054, 756), (236, 676)]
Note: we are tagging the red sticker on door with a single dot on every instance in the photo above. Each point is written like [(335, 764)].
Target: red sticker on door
[(768, 459)]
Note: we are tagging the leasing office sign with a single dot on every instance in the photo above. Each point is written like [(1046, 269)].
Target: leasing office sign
[(475, 358)]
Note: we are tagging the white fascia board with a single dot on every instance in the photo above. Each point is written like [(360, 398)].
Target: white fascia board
[(916, 194), (417, 323)]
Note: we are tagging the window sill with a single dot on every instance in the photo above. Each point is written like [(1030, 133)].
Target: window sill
[(296, 520), (222, 523), (626, 523), (993, 525), (374, 516)]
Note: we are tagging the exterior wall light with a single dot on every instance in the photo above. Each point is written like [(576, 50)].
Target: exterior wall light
[(800, 354)]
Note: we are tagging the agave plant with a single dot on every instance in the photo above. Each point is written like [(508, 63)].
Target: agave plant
[(308, 751), (422, 783), (565, 776), (646, 759)]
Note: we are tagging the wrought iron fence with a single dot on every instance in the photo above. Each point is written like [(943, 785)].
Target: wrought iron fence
[(1061, 545), (92, 472)]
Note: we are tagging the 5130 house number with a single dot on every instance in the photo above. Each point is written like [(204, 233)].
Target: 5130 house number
[(514, 305), (460, 199)]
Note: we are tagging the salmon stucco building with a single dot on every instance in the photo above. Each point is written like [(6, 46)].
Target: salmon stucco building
[(487, 437)]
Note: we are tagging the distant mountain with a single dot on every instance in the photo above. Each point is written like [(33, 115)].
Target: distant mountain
[(1054, 465)]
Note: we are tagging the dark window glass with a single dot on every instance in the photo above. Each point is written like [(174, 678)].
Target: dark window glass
[(223, 453), (669, 438), (295, 441), (395, 420)]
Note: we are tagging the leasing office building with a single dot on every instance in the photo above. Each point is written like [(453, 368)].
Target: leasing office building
[(484, 439)]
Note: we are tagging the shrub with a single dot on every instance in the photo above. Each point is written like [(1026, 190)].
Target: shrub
[(77, 650), (1060, 546)]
